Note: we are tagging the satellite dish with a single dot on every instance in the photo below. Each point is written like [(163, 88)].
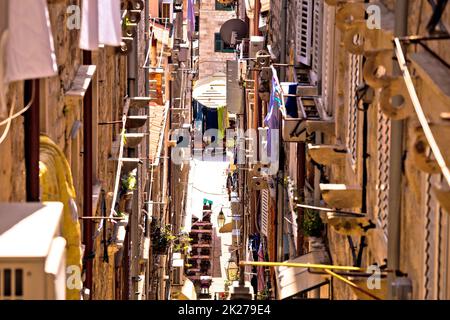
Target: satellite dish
[(233, 31)]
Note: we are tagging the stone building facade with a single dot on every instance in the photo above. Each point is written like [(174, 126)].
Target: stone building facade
[(212, 57)]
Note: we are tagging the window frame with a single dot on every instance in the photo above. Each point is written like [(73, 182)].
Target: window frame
[(222, 7), (224, 48)]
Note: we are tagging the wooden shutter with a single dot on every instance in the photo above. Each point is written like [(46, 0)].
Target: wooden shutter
[(317, 40), (217, 42), (354, 70), (303, 30), (264, 211), (433, 240), (382, 187), (328, 58)]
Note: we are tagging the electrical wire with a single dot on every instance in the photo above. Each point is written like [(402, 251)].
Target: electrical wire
[(11, 115), (149, 44)]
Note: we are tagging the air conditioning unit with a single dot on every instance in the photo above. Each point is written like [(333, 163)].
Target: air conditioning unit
[(234, 92), (32, 252), (183, 53), (256, 44)]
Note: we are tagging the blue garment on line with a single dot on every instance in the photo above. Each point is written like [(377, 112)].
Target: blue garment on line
[(211, 121), (291, 102), (272, 119)]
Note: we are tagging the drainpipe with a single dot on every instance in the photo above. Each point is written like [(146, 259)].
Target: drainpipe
[(395, 161), (87, 178), (31, 129)]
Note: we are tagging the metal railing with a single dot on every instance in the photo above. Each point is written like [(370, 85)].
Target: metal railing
[(419, 110)]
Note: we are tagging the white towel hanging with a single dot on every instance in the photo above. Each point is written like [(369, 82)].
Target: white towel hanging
[(100, 24), (30, 49), (89, 25), (110, 31)]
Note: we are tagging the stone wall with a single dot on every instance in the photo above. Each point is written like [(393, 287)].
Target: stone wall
[(12, 162)]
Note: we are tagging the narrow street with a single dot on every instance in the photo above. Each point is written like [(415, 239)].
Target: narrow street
[(181, 150), (207, 180)]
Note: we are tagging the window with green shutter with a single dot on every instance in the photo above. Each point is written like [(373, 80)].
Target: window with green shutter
[(224, 7), (219, 45)]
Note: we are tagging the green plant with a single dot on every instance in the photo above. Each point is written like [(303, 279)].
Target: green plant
[(264, 295), (129, 182), (162, 238), (119, 214), (311, 223), (227, 284), (182, 243)]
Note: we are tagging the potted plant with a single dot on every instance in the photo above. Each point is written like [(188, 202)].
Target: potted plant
[(161, 239), (312, 224)]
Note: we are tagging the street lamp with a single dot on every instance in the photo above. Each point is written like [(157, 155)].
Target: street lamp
[(232, 270), (221, 219)]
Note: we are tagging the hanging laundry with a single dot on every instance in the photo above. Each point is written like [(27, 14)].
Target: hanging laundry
[(197, 112), (191, 19), (272, 119), (211, 119), (197, 109), (30, 49), (291, 102), (100, 24), (221, 121), (194, 109)]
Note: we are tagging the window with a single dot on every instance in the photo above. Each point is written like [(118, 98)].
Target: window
[(328, 49), (308, 35), (219, 45), (223, 6), (303, 30), (316, 50), (166, 11)]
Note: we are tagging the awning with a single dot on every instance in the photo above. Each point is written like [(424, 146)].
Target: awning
[(211, 91), (188, 291), (292, 281), (228, 227), (162, 34), (158, 120)]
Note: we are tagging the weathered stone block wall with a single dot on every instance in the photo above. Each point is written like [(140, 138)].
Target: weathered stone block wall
[(12, 161)]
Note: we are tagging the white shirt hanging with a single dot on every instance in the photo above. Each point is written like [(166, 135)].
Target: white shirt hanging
[(30, 50), (100, 24)]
